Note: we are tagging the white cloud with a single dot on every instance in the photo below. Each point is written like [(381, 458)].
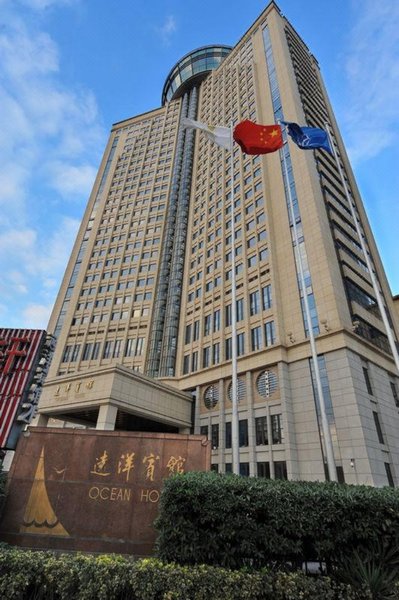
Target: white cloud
[(46, 164), (43, 4), (31, 273), (52, 253), (167, 29), (71, 180), (18, 280), (372, 69), (36, 316), (41, 119), (44, 257)]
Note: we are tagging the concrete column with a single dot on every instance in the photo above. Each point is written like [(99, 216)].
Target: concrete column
[(107, 417), (251, 424), (269, 435), (197, 410), (288, 416), (222, 428)]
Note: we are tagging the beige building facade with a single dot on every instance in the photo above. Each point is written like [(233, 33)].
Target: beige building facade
[(146, 297)]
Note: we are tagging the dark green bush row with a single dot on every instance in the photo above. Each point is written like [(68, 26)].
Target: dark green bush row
[(41, 575), (234, 521)]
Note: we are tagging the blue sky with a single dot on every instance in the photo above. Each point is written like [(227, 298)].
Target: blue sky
[(71, 68)]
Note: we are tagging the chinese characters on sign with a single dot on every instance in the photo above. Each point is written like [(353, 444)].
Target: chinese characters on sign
[(96, 491), (76, 387), (124, 465)]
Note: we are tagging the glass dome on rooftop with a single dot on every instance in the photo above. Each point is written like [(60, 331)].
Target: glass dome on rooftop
[(191, 69)]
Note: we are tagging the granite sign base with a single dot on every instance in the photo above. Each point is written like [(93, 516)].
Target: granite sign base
[(93, 491)]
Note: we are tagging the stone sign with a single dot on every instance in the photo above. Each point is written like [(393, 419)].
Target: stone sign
[(94, 491)]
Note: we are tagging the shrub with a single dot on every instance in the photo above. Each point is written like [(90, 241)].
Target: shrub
[(233, 521), (26, 575), (374, 570)]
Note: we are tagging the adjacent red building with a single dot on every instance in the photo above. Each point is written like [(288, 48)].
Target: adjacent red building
[(24, 360)]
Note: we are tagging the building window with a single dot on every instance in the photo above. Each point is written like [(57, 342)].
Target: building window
[(96, 350), (277, 430), (194, 361), (108, 347), (187, 335), (204, 430), (216, 353), (139, 346), (240, 309), (244, 469), (241, 389), (243, 432), (211, 397), (67, 354), (228, 468), (117, 348), (270, 335), (206, 353), (207, 325), (196, 331), (378, 428), (266, 383), (228, 315), (215, 436), (250, 224), (261, 431), (254, 303), (87, 351), (228, 435), (389, 474), (267, 297), (228, 349), (256, 338), (263, 469), (75, 353), (280, 469), (240, 344), (340, 474), (186, 364), (367, 380), (264, 254), (395, 392), (215, 468), (130, 347), (252, 261), (216, 320)]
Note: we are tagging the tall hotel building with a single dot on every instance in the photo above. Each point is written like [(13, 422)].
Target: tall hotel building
[(143, 317)]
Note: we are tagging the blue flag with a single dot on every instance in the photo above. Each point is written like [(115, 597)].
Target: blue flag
[(308, 138)]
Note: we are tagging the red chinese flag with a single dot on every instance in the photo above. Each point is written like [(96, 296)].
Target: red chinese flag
[(258, 139)]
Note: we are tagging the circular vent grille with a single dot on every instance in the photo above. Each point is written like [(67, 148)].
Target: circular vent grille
[(266, 383), (211, 396), (240, 390)]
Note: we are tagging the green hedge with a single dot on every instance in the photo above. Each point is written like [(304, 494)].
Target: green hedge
[(234, 521), (26, 575)]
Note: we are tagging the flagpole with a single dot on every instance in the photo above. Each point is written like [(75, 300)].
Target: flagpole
[(373, 278), (235, 448), (332, 471)]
